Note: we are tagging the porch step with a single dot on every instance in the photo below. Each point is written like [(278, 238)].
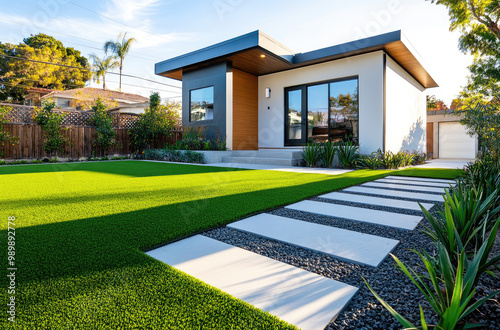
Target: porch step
[(284, 154), (262, 161)]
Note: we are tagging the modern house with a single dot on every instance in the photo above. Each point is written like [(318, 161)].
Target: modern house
[(261, 95), (83, 98)]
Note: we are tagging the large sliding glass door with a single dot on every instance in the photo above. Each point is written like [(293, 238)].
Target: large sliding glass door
[(322, 111)]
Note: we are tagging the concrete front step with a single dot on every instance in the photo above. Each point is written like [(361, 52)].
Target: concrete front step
[(261, 160), (285, 154)]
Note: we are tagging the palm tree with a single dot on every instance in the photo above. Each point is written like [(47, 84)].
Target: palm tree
[(101, 67), (120, 49)]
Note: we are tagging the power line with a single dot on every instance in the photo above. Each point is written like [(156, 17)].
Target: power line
[(80, 68), (111, 19), (68, 35)]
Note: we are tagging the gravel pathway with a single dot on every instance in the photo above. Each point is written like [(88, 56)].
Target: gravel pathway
[(364, 311)]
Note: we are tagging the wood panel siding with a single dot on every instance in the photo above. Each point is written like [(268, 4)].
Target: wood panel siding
[(430, 140), (245, 111)]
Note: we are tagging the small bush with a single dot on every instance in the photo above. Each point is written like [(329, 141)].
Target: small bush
[(311, 154), (328, 151), (348, 154), (184, 156)]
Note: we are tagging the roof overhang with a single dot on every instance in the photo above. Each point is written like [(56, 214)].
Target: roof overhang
[(258, 54)]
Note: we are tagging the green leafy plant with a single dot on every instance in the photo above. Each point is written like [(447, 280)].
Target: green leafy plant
[(348, 154), (311, 154), (103, 123), (453, 303), (372, 161), (328, 151), (157, 122), (482, 175), (50, 122), (5, 137)]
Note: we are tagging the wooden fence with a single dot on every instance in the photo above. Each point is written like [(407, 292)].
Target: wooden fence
[(30, 144)]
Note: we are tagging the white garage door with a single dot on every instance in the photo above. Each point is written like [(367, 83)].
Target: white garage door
[(454, 142)]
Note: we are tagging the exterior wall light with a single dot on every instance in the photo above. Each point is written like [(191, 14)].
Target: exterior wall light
[(268, 92)]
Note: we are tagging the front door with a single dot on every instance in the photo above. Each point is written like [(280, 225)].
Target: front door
[(295, 116)]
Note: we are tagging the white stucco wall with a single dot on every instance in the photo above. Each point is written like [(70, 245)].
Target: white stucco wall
[(369, 69), (405, 111)]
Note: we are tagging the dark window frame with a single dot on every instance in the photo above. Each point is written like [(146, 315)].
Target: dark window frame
[(305, 97), (204, 120)]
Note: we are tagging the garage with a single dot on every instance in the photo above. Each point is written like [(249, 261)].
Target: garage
[(454, 142)]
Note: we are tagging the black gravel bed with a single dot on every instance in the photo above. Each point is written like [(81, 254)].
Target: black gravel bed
[(364, 311), (405, 190), (368, 206), (391, 197)]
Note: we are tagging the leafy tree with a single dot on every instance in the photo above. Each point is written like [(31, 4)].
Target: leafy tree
[(16, 75), (478, 23), (157, 121), (120, 48), (103, 123), (102, 66), (5, 137), (50, 121), (483, 120)]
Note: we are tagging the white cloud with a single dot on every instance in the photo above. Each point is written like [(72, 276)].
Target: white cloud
[(130, 10)]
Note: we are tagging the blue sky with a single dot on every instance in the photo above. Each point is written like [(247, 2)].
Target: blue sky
[(165, 29)]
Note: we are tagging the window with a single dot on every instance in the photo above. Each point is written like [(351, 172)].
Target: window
[(201, 104), (331, 111)]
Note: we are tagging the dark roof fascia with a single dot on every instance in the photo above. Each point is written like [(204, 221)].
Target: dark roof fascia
[(232, 46), (351, 48)]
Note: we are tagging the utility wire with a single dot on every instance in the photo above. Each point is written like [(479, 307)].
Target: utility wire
[(84, 69), (50, 31)]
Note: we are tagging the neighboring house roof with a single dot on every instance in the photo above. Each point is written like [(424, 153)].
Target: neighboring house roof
[(258, 54), (116, 96)]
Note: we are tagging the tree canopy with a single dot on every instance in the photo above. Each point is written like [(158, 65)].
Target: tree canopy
[(478, 23), (16, 75)]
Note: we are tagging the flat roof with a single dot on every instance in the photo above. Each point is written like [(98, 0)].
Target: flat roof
[(259, 54)]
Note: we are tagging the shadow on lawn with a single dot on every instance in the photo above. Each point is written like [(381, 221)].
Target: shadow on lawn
[(79, 247), (136, 169)]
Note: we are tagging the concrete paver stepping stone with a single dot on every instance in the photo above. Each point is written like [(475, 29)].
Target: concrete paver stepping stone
[(414, 178), (302, 298), (395, 193), (384, 218), (403, 187), (411, 182), (341, 243), (396, 203)]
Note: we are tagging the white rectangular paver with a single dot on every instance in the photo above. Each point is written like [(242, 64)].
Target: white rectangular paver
[(344, 244), (396, 203), (395, 193), (415, 178), (299, 297), (412, 182), (403, 186), (390, 219)]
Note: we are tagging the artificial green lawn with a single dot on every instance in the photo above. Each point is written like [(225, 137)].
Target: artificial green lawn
[(82, 227)]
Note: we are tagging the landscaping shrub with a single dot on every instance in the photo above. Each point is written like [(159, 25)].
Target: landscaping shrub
[(448, 287), (156, 122), (50, 122), (328, 151), (103, 123), (311, 154), (184, 156), (348, 154), (4, 136), (372, 161), (194, 138)]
